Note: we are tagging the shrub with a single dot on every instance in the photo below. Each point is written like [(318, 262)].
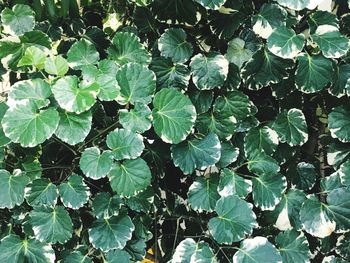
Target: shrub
[(181, 130)]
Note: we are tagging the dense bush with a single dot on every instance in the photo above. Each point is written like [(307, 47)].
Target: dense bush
[(201, 131)]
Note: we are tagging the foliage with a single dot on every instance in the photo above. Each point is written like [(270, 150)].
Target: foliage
[(175, 130)]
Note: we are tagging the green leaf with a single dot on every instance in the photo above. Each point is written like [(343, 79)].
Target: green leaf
[(74, 193), (331, 182), (288, 210), (33, 57), (344, 173), (95, 164), (170, 75), (118, 256), (236, 104), (209, 71), (262, 164), (111, 233), (202, 100), (41, 192), (265, 68), (298, 4), (293, 246), (27, 125), (137, 84), (125, 144), (173, 115), (74, 97), (13, 249), (214, 122), (257, 249), (267, 190), (172, 44), (18, 20), (338, 208), (304, 176), (56, 65), (269, 18), (320, 17), (211, 4), (12, 188), (237, 53), (196, 153), (339, 123), (330, 41), (263, 139), (283, 42), (343, 246), (203, 193), (337, 153), (229, 154), (35, 90), (226, 21), (51, 225), (235, 220), (233, 184), (105, 206), (188, 251), (77, 257), (170, 10), (142, 201), (315, 219), (105, 77), (73, 128), (130, 177), (82, 53), (339, 83), (138, 119), (313, 73), (291, 127), (126, 47)]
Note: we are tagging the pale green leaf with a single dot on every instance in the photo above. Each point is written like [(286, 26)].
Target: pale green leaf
[(209, 71), (137, 84), (138, 119), (233, 184), (74, 193), (257, 249), (82, 53), (27, 125), (95, 164), (203, 193), (125, 144), (74, 96), (56, 65), (126, 47), (330, 41), (73, 128), (12, 188), (283, 42), (18, 20)]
